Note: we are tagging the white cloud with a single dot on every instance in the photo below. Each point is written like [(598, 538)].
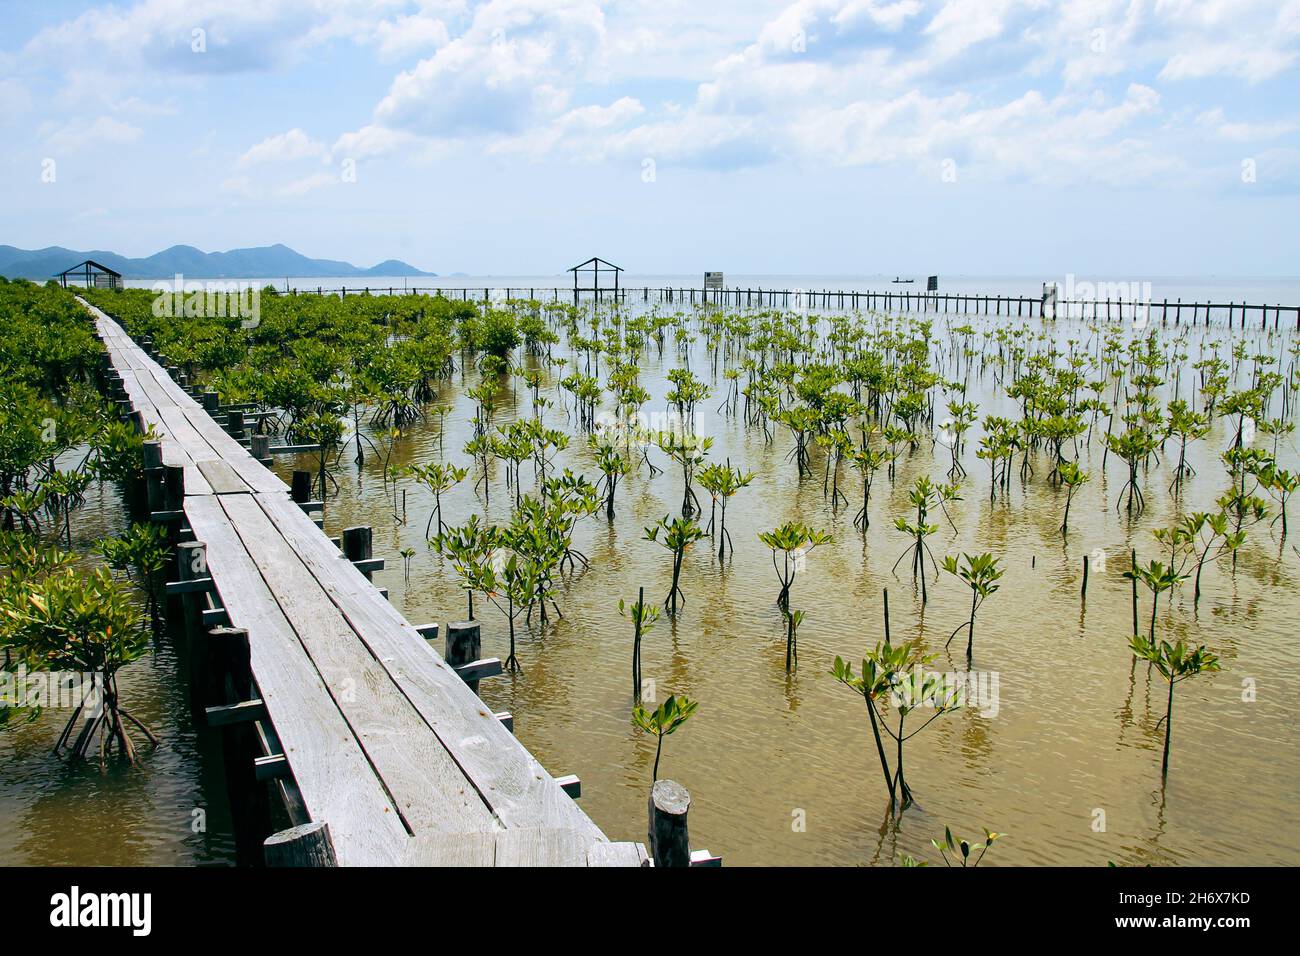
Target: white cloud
[(1244, 132), (99, 132), (300, 187), (405, 35), (282, 148), (515, 65)]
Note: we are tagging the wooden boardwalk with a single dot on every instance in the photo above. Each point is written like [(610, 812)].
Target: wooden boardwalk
[(360, 724)]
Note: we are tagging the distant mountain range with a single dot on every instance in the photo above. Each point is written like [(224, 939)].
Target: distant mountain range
[(263, 262)]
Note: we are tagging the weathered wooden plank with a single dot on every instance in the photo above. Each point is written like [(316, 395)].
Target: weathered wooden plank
[(180, 429), (337, 783), (222, 478), (234, 454), (618, 854), (543, 846), (453, 849), (429, 789), (510, 780)]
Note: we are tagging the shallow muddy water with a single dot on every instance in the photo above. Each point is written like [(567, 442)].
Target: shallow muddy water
[(781, 768)]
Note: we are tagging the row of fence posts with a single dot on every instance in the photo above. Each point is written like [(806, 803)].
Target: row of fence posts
[(923, 302)]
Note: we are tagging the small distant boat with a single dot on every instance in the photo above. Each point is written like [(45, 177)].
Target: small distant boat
[(902, 281)]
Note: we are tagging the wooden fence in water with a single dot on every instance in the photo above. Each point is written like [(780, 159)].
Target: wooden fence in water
[(1165, 311)]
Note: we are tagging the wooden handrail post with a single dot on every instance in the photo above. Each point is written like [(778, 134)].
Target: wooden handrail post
[(669, 841)]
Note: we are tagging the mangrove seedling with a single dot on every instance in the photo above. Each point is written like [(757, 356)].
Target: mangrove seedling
[(467, 546), (1134, 445), (884, 679), (678, 535), (72, 621), (689, 452), (143, 552), (981, 573), (1176, 663), (1158, 578), (867, 462), (512, 583), (793, 541), (439, 478), (1072, 476), (643, 618), (962, 849), (923, 496), (613, 466), (722, 482), (664, 720)]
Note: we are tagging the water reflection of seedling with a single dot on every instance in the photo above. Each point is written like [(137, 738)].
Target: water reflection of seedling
[(981, 573), (1176, 664), (666, 719)]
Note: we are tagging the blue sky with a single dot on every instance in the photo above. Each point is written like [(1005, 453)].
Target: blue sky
[(1153, 137)]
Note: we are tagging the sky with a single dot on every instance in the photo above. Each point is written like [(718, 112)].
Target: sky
[(518, 137)]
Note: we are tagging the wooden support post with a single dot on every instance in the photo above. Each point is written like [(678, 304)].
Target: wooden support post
[(235, 423), (464, 642), (1083, 592), (357, 546), (261, 448), (210, 401), (669, 841), (308, 845), (300, 490), (173, 488), (192, 564), (229, 680), (154, 496)]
